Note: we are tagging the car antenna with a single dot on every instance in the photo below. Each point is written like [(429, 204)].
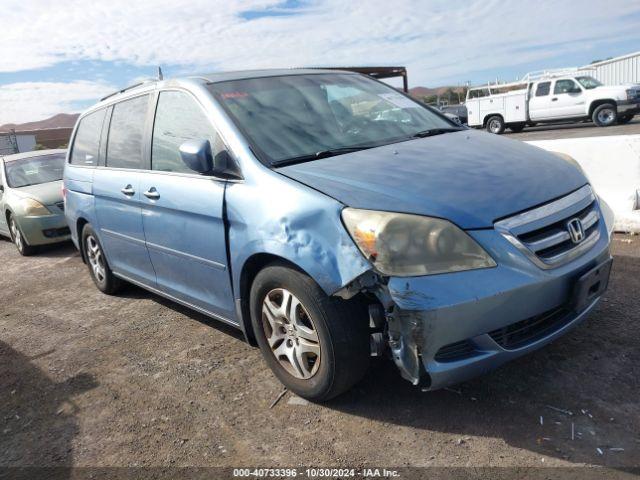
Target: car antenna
[(160, 76)]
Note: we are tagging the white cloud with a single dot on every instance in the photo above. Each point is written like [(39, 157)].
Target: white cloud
[(438, 39), (30, 101)]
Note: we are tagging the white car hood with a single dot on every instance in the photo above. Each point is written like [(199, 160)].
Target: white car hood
[(613, 89)]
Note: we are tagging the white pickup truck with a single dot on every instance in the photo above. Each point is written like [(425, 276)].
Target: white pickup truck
[(549, 97)]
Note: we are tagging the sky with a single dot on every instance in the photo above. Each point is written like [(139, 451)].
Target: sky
[(63, 56)]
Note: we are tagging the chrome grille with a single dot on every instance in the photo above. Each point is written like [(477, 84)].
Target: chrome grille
[(544, 234)]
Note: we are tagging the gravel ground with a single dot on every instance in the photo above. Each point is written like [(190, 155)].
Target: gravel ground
[(92, 380)]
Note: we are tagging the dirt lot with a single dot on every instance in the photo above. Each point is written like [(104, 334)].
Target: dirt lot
[(92, 380), (575, 130)]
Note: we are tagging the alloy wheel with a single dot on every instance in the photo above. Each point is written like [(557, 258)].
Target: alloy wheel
[(291, 333), (17, 236), (96, 258)]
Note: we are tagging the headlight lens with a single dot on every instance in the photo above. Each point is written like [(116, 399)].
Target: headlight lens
[(404, 245), (33, 208)]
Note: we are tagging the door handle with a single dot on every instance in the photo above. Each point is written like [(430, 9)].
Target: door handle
[(152, 194), (554, 99), (128, 191)]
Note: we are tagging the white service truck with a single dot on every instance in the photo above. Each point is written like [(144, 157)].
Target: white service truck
[(551, 97)]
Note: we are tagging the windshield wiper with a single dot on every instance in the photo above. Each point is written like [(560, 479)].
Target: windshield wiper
[(320, 154), (435, 131)]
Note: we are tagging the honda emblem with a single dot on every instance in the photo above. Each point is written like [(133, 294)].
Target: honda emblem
[(576, 231)]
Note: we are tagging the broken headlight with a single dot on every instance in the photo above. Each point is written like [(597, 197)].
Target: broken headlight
[(404, 245)]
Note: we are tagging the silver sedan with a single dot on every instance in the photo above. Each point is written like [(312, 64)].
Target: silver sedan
[(31, 203)]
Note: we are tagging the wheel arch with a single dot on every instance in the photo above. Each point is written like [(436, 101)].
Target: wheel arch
[(601, 101), (8, 212), (80, 223), (251, 267), (489, 115)]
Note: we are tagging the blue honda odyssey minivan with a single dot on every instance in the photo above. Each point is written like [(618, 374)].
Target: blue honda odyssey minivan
[(332, 218)]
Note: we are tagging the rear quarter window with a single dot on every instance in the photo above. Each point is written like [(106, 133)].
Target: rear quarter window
[(87, 141)]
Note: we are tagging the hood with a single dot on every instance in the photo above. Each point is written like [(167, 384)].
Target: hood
[(614, 89), (470, 178), (45, 193)]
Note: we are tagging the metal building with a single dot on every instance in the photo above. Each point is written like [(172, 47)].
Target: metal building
[(12, 142), (624, 69)]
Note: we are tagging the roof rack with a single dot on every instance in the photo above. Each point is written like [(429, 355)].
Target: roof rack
[(497, 85), (537, 75), (158, 78), (123, 90), (130, 87), (552, 73)]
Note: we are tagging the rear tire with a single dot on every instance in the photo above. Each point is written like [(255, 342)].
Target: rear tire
[(99, 269), (495, 124), (605, 115), (516, 127), (624, 119), (320, 346), (18, 239)]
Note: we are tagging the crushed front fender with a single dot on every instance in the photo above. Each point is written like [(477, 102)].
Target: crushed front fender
[(445, 329)]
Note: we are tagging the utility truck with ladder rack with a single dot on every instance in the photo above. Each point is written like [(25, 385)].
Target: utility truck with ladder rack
[(551, 96)]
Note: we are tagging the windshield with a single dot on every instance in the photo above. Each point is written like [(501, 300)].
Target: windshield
[(589, 82), (34, 170), (299, 117)]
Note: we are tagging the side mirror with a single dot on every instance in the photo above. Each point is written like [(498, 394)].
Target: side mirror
[(196, 154)]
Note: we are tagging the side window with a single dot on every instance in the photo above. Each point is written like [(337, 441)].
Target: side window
[(479, 93), (543, 89), (178, 119), (87, 142), (565, 86), (126, 133)]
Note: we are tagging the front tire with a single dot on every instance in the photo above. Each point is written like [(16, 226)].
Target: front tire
[(99, 269), (495, 124), (317, 346), (605, 115), (18, 239)]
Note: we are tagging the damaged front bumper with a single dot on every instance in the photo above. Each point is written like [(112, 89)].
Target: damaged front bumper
[(445, 329)]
